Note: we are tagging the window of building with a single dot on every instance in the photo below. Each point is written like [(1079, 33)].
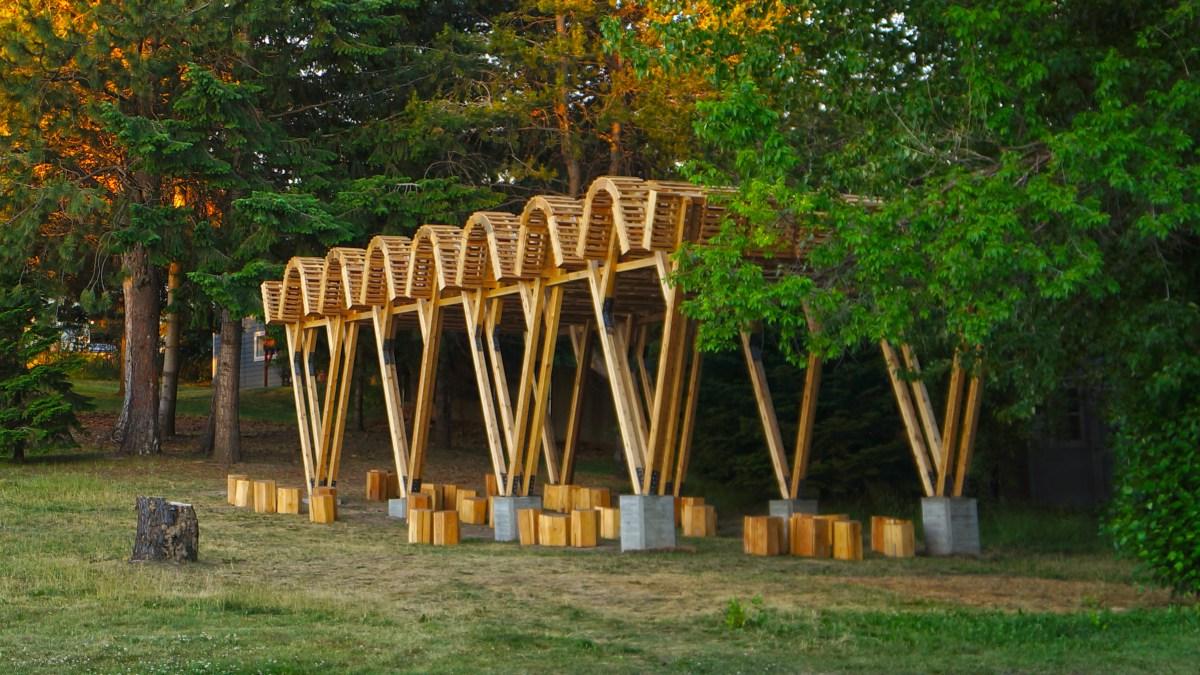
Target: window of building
[(260, 352)]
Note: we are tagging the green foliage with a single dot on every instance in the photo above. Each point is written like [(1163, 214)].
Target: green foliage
[(1031, 180), (37, 404)]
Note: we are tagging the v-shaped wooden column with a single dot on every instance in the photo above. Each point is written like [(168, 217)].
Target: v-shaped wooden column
[(383, 320)]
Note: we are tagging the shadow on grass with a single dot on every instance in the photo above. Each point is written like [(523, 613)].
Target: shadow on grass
[(68, 458)]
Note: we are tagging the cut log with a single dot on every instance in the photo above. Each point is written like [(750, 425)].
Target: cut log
[(809, 537), (287, 500), (557, 498), (165, 531), (762, 535), (610, 522), (681, 502), (460, 495), (877, 533), (243, 493), (898, 539), (377, 487), (699, 520), (847, 540), (322, 509), (445, 528), (584, 526), (420, 526), (264, 496), (554, 529), (527, 526), (231, 486), (473, 510)]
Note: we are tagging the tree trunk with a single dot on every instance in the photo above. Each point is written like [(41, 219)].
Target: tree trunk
[(614, 151), (19, 452), (166, 531), (170, 371), (563, 112), (227, 446), (140, 432)]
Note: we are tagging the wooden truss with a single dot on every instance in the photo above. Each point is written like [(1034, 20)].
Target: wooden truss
[(595, 270)]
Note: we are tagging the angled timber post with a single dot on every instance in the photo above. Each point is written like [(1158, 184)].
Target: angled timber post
[(766, 412), (349, 349), (689, 416), (533, 299), (382, 319), (430, 316), (664, 401), (294, 334), (551, 315), (601, 280), (474, 309), (330, 411), (581, 345), (309, 339)]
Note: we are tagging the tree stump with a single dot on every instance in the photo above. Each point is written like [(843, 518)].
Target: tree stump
[(166, 531)]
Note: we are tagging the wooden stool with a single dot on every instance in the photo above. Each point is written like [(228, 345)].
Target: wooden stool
[(420, 526), (699, 520), (489, 485), (449, 497), (681, 502), (419, 501), (847, 540), (376, 486), (322, 508), (264, 496), (231, 486), (877, 533), (809, 537), (434, 492), (527, 526), (557, 498), (445, 528), (762, 535), (393, 485), (473, 510), (460, 495), (584, 525), (244, 493), (332, 492), (554, 529), (584, 498), (898, 539), (287, 500), (831, 518), (610, 522)]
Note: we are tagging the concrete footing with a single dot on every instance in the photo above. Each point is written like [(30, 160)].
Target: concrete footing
[(398, 508), (647, 522), (951, 525), (504, 514)]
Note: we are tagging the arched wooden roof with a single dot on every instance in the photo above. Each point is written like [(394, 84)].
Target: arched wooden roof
[(302, 286), (272, 299), (433, 260), (348, 267), (550, 223), (614, 205), (489, 249), (386, 270)]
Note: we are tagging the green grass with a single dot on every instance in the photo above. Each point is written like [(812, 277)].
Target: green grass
[(266, 405), (275, 594)]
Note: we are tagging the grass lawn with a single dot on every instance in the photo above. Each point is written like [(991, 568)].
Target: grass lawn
[(276, 594), (269, 405)]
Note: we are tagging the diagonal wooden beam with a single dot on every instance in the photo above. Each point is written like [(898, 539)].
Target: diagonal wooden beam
[(349, 350), (766, 412), (541, 400), (966, 445), (924, 407), (665, 398), (533, 308), (804, 430), (909, 415), (474, 310), (329, 407), (314, 405), (689, 417), (293, 333), (952, 421), (382, 320), (581, 343), (430, 316)]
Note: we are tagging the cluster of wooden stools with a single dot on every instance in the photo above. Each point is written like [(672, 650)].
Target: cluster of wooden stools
[(434, 514), (264, 496), (810, 535)]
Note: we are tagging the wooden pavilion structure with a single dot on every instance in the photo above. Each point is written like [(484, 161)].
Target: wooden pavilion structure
[(593, 270)]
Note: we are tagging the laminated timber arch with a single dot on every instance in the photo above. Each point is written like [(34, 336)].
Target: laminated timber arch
[(596, 270)]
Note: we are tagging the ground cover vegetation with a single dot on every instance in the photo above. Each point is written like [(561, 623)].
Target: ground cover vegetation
[(1015, 182)]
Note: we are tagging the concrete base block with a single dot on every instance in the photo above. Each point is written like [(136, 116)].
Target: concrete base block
[(647, 522), (504, 514), (398, 508), (784, 508), (951, 525)]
